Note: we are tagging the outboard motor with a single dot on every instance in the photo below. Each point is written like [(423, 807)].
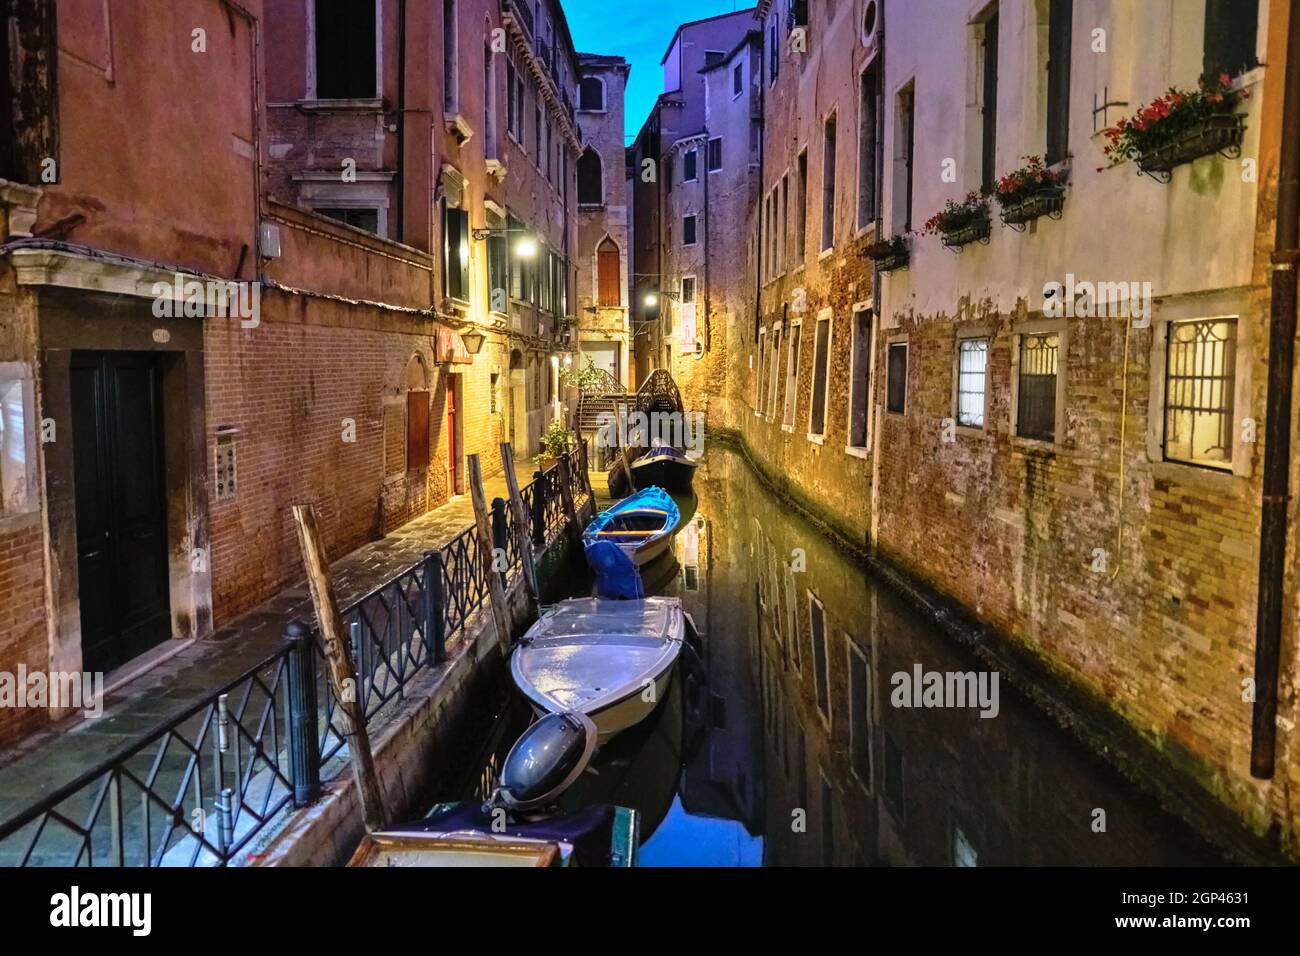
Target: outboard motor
[(545, 761)]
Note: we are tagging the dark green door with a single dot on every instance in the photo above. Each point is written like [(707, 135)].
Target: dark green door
[(121, 506)]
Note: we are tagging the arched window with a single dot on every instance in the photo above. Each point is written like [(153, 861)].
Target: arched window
[(608, 275), (591, 94), (591, 184)]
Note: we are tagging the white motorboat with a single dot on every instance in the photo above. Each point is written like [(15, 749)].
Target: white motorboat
[(611, 660)]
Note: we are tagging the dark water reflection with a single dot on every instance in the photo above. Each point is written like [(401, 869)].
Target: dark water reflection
[(792, 754)]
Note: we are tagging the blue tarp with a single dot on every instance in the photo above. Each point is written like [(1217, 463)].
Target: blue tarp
[(617, 575)]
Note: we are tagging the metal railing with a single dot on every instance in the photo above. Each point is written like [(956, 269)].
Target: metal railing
[(198, 789)]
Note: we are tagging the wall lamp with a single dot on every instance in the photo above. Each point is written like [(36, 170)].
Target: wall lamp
[(525, 248)]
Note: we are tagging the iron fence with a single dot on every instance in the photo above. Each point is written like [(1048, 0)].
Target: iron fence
[(199, 788)]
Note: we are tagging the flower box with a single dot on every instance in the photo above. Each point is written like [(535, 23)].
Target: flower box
[(1047, 202), (1219, 133), (888, 254), (975, 230)]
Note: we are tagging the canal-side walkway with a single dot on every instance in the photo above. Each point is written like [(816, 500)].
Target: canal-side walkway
[(55, 756)]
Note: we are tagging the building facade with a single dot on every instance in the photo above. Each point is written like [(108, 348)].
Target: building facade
[(671, 178), (604, 220), (1050, 412), (331, 253)]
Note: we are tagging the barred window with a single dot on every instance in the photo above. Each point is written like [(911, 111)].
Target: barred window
[(896, 378), (972, 373), (1036, 398), (1200, 361)]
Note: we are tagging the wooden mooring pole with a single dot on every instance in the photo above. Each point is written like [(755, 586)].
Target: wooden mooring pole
[(523, 542), (338, 660), (496, 593)]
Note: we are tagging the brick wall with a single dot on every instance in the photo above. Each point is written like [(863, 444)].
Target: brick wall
[(23, 633)]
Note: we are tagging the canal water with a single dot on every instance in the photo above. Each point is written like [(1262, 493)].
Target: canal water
[(788, 749)]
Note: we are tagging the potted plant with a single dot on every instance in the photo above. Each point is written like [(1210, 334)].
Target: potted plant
[(961, 223), (557, 441), (1031, 191), (587, 379), (1179, 127), (888, 254)]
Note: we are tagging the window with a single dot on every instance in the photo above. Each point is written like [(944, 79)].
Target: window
[(491, 147), (989, 101), (591, 95), (783, 225), (514, 102), (821, 376), (715, 154), (1059, 38), (1200, 367), (972, 372), (518, 266), (591, 175), (689, 163), (758, 372), (792, 374), (821, 661), (737, 80), (688, 230), (345, 50), (859, 715), (450, 67), (455, 253), (493, 394), (1036, 386), (18, 491), (860, 381), (868, 158), (609, 283), (828, 184), (904, 157), (801, 212), (359, 217), (417, 429), (774, 355), (774, 48), (896, 378), (1230, 29), (688, 289), (714, 57), (498, 266)]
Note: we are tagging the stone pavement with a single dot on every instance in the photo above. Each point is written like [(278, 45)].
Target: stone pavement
[(55, 756)]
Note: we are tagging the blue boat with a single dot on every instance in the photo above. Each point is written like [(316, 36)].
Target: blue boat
[(633, 532)]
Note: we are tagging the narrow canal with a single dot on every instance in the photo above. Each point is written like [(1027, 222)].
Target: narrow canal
[(790, 751)]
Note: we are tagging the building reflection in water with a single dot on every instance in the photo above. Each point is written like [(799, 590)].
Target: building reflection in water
[(803, 750)]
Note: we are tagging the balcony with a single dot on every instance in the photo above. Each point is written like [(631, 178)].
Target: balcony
[(521, 12)]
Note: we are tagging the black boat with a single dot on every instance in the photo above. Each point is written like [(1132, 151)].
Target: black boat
[(665, 467)]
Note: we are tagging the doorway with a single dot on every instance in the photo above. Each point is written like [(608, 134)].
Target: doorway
[(120, 501), (453, 444)]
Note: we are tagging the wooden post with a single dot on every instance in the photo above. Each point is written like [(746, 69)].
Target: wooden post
[(338, 660), (496, 593), (566, 500), (523, 544), (586, 469)]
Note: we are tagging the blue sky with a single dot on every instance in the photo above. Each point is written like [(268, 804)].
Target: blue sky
[(638, 30)]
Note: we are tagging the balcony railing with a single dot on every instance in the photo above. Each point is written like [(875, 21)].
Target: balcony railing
[(202, 787)]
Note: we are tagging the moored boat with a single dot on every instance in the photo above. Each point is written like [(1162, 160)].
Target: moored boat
[(610, 660), (664, 467), (640, 526)]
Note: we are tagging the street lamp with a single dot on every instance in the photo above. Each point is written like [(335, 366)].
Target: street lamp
[(525, 248)]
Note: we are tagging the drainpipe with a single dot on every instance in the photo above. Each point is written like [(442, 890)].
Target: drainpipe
[(762, 150), (402, 171), (1277, 426), (707, 255)]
